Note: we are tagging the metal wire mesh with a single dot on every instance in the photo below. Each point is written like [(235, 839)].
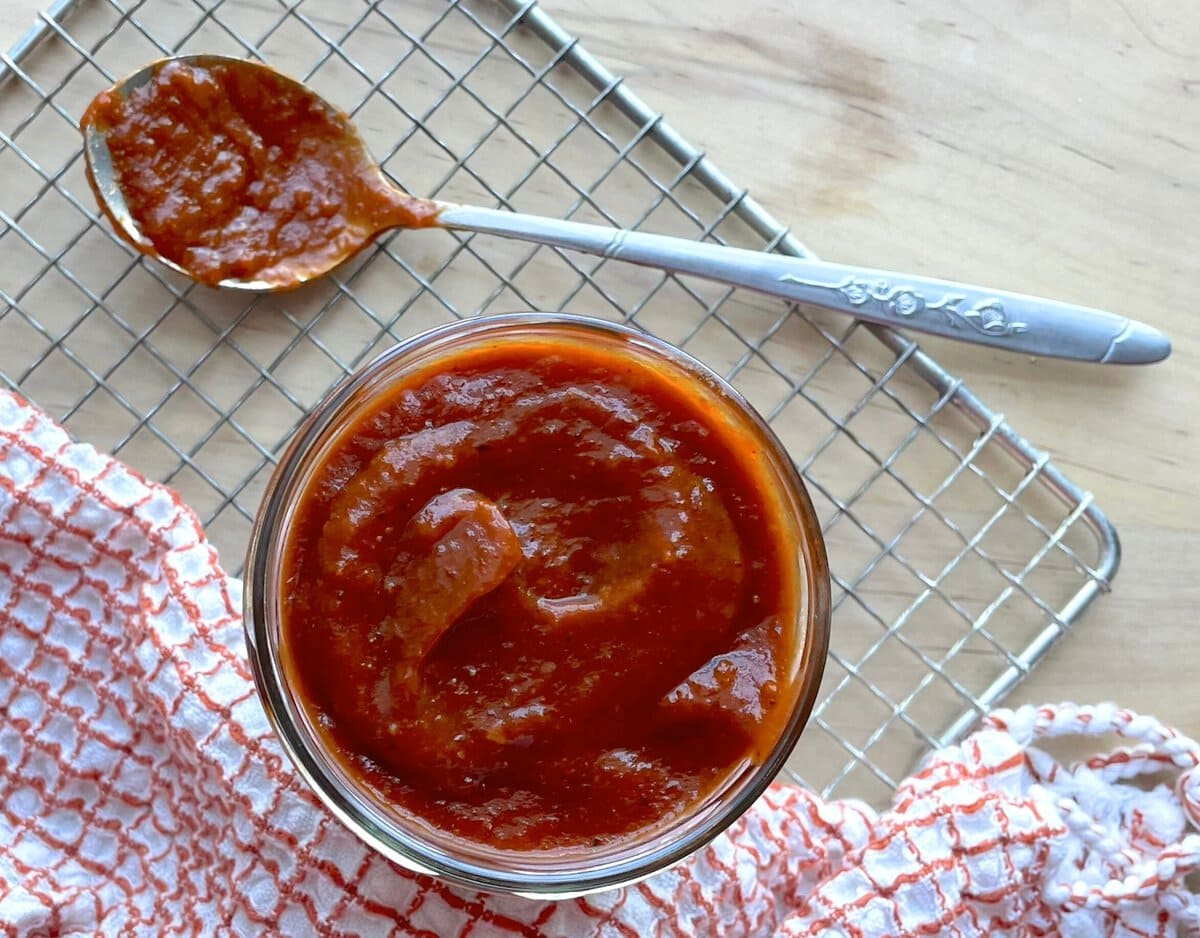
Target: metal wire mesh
[(959, 553)]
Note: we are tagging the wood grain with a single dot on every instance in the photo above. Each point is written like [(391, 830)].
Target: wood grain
[(1046, 147)]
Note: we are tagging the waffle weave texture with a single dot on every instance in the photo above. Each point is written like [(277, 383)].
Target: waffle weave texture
[(142, 790)]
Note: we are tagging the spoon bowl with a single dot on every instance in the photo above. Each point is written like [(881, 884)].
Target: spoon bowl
[(179, 123), (238, 176)]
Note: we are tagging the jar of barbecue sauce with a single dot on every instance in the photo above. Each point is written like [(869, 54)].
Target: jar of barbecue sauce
[(537, 604)]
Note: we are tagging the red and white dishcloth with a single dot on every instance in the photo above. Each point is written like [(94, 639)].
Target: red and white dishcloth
[(142, 790)]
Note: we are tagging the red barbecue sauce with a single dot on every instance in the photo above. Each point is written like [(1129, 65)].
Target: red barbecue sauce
[(542, 595), (232, 171)]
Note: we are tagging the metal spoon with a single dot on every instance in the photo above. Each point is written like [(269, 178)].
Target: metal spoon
[(1012, 321)]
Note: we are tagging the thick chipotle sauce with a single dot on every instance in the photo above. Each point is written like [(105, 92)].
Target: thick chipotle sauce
[(543, 595), (232, 171)]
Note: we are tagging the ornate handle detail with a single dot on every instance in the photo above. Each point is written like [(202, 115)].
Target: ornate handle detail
[(942, 307), (987, 316)]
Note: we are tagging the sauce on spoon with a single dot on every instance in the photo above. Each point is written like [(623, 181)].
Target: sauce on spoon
[(233, 171)]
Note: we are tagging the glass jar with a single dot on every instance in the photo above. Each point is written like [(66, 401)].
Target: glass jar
[(417, 845)]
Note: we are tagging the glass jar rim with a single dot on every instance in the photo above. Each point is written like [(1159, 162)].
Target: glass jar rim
[(542, 875)]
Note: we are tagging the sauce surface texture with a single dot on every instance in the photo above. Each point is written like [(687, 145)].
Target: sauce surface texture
[(539, 597), (232, 172)]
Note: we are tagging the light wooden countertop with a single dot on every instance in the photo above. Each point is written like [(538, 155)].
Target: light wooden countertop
[(1048, 148)]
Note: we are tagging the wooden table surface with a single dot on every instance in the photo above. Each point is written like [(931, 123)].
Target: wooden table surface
[(1051, 148)]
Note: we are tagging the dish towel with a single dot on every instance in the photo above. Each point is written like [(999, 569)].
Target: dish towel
[(142, 790)]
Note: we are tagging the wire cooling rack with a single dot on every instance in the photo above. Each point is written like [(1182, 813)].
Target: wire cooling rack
[(959, 553)]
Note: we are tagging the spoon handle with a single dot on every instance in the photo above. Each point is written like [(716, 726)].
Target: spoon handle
[(1011, 321)]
